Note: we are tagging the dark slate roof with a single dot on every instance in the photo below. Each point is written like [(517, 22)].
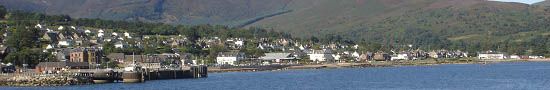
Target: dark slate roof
[(62, 64), (229, 54), (114, 56)]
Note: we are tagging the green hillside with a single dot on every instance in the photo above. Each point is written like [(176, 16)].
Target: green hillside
[(225, 12), (472, 25)]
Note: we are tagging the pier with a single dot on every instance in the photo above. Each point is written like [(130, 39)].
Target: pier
[(99, 76), (143, 75)]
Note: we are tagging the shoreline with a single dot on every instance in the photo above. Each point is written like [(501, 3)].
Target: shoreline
[(19, 81), (375, 64)]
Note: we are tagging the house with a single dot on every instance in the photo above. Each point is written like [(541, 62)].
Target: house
[(3, 52), (62, 54), (121, 44), (90, 55), (492, 55), (324, 55), (87, 31), (279, 57), (38, 26), (536, 57), (337, 57), (381, 56), (56, 67), (515, 57), (355, 54), (101, 34), (60, 28), (366, 56), (118, 57), (151, 60), (50, 46), (169, 58), (402, 56), (50, 37), (64, 43), (229, 58), (127, 35), (186, 58), (434, 54)]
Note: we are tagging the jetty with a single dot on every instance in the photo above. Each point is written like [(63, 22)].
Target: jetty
[(142, 75), (99, 76)]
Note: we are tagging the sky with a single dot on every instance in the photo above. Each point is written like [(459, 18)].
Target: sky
[(521, 1)]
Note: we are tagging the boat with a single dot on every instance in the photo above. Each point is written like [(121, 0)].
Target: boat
[(132, 73), (100, 77)]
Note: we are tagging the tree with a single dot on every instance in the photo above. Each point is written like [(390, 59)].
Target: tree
[(3, 12), (109, 64), (22, 38), (28, 56), (253, 52), (150, 50), (109, 47)]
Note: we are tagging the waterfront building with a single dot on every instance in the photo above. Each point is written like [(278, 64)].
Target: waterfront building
[(279, 57), (381, 56), (402, 56), (229, 58), (515, 57), (366, 56), (324, 55), (55, 67), (492, 55), (90, 55), (118, 57)]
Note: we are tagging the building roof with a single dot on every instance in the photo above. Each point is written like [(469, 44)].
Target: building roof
[(116, 56), (273, 56), (230, 54), (62, 64), (3, 48)]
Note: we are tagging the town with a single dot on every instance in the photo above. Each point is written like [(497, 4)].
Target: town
[(74, 47), (136, 51)]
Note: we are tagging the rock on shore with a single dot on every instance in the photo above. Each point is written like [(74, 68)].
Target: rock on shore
[(53, 80)]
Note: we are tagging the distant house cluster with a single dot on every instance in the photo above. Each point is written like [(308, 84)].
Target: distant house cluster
[(75, 47)]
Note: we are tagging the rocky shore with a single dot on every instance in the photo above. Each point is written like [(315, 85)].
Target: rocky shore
[(44, 80)]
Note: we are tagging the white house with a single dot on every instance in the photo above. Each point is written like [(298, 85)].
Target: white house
[(100, 31), (355, 54), (278, 57), (127, 35), (64, 42), (120, 44), (38, 26), (336, 56), (321, 55), (100, 34), (49, 46), (402, 56), (60, 28), (239, 43), (114, 34), (229, 58), (492, 55), (515, 57)]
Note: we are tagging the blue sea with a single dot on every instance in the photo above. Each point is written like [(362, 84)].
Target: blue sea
[(497, 76)]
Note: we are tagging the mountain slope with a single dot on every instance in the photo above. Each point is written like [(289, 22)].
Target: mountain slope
[(338, 16), (166, 11), (356, 19)]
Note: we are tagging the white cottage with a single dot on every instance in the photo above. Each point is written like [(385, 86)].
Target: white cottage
[(229, 58), (321, 55), (492, 55)]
